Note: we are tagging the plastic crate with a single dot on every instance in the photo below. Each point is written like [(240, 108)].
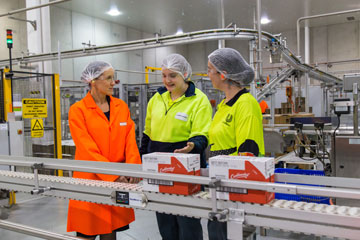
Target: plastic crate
[(301, 198)]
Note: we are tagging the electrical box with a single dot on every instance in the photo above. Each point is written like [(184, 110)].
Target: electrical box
[(16, 137), (342, 106), (349, 79), (4, 143), (347, 162), (4, 139)]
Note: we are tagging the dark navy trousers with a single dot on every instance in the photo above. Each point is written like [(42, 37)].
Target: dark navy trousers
[(179, 228), (217, 230)]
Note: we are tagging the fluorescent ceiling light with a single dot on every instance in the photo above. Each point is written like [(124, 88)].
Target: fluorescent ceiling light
[(265, 20), (179, 31), (114, 12)]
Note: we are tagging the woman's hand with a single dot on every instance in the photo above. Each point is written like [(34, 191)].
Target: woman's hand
[(122, 179), (188, 148), (134, 180)]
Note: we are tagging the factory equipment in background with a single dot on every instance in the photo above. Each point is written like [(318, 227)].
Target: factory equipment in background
[(215, 96), (30, 117), (135, 95), (346, 142), (68, 96), (29, 101)]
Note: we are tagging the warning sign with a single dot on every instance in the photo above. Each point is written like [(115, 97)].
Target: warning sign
[(37, 128), (34, 108)]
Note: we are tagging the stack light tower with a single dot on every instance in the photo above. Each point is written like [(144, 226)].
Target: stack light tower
[(9, 41), (9, 75)]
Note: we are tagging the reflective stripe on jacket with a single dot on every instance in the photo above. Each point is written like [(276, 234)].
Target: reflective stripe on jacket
[(237, 127)]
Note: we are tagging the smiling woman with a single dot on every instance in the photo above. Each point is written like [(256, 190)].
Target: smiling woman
[(177, 120), (102, 130)]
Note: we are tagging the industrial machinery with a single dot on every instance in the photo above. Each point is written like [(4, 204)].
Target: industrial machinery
[(23, 104), (310, 218), (346, 140)]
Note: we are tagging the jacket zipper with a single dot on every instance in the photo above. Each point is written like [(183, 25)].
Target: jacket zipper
[(167, 110)]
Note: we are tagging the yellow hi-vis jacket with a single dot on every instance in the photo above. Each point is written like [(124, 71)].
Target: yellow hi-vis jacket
[(169, 125), (237, 127)]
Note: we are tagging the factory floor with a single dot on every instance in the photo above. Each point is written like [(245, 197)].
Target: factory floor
[(50, 214)]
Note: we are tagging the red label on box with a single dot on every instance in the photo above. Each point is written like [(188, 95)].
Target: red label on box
[(178, 188), (251, 173)]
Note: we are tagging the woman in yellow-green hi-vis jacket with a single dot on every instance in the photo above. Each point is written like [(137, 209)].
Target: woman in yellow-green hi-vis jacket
[(237, 125), (177, 120)]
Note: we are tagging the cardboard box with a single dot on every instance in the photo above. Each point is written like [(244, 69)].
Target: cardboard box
[(282, 119), (174, 163), (243, 168)]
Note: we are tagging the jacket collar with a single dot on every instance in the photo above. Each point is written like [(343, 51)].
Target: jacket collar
[(190, 91), (90, 103), (236, 97)]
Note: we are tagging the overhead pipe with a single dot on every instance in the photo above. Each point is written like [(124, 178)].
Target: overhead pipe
[(269, 87), (259, 59), (356, 109), (31, 8), (307, 61), (137, 72), (221, 43), (316, 64), (313, 17), (186, 38)]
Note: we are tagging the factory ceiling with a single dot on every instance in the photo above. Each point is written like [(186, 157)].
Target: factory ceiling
[(170, 16)]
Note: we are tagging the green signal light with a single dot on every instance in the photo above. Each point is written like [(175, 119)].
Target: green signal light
[(9, 41)]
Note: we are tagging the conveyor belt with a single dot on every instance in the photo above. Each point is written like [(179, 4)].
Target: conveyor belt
[(279, 214)]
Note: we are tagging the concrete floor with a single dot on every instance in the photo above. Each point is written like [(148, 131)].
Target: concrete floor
[(51, 214)]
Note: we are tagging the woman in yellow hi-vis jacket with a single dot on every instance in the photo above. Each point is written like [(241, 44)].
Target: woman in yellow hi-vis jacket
[(237, 125), (177, 120)]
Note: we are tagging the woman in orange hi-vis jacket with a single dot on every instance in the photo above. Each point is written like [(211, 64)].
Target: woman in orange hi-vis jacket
[(102, 130)]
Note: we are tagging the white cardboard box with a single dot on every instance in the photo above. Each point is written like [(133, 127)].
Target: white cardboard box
[(174, 163), (243, 168)]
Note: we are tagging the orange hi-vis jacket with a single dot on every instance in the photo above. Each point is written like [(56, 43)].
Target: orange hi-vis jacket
[(98, 139)]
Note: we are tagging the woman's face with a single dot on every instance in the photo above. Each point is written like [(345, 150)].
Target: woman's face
[(214, 76), (105, 83), (172, 80)]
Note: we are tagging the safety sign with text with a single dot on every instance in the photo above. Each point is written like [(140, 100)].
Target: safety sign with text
[(37, 128), (34, 108)]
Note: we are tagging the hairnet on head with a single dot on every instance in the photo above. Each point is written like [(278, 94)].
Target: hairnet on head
[(94, 70), (230, 61), (177, 63)]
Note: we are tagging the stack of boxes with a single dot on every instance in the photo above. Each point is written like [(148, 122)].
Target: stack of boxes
[(300, 104), (286, 107)]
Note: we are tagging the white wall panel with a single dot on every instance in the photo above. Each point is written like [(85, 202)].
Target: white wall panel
[(196, 57), (82, 29)]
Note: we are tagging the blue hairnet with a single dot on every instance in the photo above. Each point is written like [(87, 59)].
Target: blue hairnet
[(94, 70), (230, 61), (177, 63)]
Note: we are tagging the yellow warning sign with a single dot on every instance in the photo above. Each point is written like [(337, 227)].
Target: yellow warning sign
[(34, 108), (37, 128)]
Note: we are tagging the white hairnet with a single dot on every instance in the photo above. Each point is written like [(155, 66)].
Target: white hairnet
[(94, 70), (177, 63), (235, 66)]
